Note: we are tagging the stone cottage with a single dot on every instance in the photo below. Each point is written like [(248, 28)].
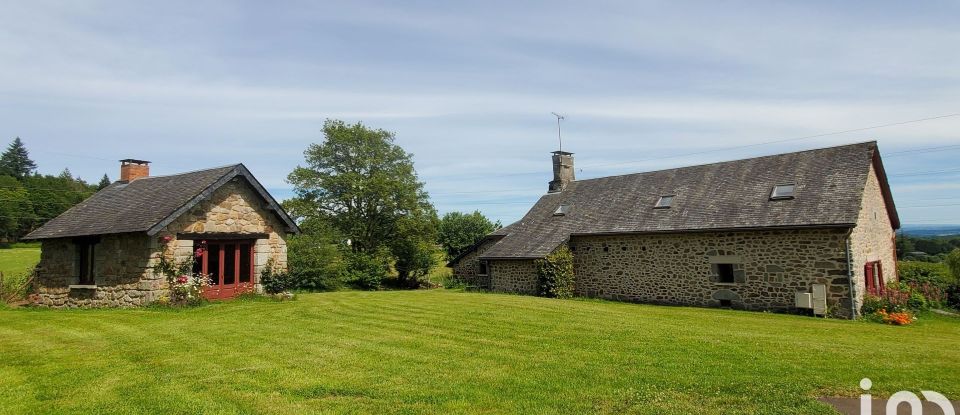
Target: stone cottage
[(789, 232), (101, 252)]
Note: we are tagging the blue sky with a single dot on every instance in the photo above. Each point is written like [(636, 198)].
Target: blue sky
[(469, 87)]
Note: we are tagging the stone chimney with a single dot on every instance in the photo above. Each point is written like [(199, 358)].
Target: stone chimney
[(131, 170), (562, 171)]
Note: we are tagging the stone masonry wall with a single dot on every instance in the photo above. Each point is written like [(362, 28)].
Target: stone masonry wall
[(467, 269), (122, 273), (234, 208), (123, 263), (769, 268), (513, 276), (873, 238)]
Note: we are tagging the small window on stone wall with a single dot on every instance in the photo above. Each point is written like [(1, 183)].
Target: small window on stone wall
[(725, 273), (483, 269)]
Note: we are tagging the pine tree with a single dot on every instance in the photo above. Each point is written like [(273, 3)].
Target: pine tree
[(16, 162), (104, 182)]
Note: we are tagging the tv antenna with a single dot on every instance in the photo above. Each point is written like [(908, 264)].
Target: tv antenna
[(559, 136)]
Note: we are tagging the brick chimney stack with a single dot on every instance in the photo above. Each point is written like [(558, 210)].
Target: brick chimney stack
[(562, 171), (131, 170)]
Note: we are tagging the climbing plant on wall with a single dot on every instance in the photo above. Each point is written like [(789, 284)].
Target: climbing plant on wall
[(555, 274)]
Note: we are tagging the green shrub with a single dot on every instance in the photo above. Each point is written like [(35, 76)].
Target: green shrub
[(367, 270), (872, 304), (316, 262), (953, 263), (953, 296), (555, 274), (918, 302), (274, 281), (920, 273)]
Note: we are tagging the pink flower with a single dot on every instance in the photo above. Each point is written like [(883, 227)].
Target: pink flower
[(198, 253), (166, 238), (182, 279)]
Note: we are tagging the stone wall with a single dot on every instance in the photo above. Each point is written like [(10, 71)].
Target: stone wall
[(513, 276), (467, 268), (236, 209), (873, 238), (769, 268), (123, 265), (122, 273)]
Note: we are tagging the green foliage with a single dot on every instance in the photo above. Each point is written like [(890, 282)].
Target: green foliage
[(16, 209), (919, 273), (367, 270), (274, 281), (52, 195), (104, 182), (555, 274), (953, 296), (953, 263), (934, 247), (365, 186), (16, 162), (315, 258), (414, 248), (459, 231)]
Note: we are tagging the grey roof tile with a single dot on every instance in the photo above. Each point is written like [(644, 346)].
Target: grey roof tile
[(727, 195), (142, 204)]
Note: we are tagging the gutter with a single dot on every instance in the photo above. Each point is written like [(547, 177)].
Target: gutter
[(853, 292)]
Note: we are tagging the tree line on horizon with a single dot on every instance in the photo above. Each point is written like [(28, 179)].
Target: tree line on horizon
[(29, 199)]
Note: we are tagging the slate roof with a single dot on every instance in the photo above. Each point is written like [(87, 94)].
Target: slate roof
[(149, 204), (733, 195)]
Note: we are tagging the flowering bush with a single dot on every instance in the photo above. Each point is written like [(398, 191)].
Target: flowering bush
[(186, 287), (898, 297), (896, 318)]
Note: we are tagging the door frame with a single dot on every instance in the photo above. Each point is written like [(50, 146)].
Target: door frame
[(221, 290)]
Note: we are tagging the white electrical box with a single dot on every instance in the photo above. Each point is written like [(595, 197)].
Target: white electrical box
[(819, 299), (804, 300)]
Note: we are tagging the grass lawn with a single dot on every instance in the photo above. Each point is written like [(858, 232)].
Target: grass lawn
[(15, 264), (439, 351)]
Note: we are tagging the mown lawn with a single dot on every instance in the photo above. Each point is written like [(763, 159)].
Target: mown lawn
[(442, 351)]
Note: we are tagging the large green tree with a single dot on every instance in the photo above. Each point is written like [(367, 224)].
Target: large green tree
[(16, 209), (365, 185), (16, 162), (459, 231)]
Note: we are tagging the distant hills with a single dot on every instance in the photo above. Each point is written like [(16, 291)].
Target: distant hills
[(930, 230)]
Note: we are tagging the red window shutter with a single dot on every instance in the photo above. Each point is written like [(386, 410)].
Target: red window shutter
[(868, 273), (880, 275)]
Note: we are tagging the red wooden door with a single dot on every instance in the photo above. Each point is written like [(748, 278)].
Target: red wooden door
[(229, 266)]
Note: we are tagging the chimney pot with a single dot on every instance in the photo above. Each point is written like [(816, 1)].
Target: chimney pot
[(562, 171), (132, 169)]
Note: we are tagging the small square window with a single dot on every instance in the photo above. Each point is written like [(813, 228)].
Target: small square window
[(665, 202), (725, 273), (783, 191), (562, 210), (483, 268)]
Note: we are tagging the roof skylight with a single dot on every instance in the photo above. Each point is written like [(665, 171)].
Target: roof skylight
[(562, 210), (783, 191), (664, 202)]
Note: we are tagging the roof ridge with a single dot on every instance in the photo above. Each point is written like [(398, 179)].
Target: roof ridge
[(731, 161), (191, 171)]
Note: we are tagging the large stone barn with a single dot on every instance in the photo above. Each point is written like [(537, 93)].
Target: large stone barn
[(101, 252), (811, 230)]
